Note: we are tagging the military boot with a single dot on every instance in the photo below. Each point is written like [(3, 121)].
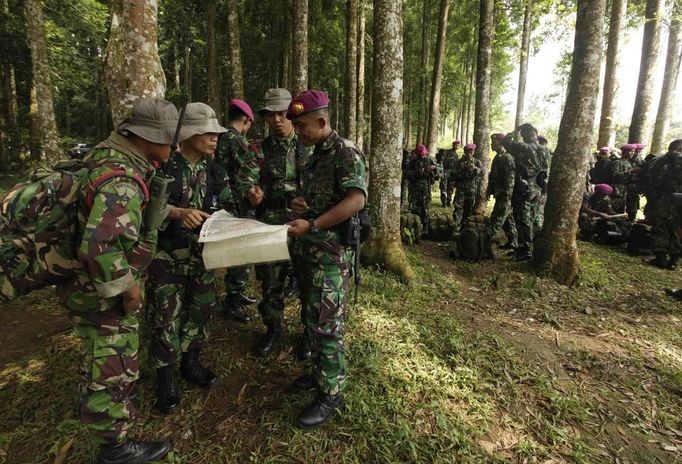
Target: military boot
[(292, 286), (319, 411), (192, 370), (660, 260), (672, 262), (167, 392), (132, 452), (487, 251), (303, 349), (232, 309), (522, 254), (268, 341), (246, 300)]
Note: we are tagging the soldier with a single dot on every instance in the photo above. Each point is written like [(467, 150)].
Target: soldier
[(405, 177), (270, 179), (538, 211), (501, 186), (104, 297), (599, 174), (334, 189), (619, 176), (468, 172), (633, 187), (449, 162), (531, 169), (182, 293), (423, 171), (232, 150), (595, 206)]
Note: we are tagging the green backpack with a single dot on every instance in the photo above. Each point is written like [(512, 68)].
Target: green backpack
[(39, 226)]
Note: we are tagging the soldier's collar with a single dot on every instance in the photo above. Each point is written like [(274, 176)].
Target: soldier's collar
[(121, 144), (327, 143)]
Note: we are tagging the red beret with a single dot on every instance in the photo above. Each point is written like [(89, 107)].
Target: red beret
[(628, 147), (456, 142), (242, 106), (470, 146), (421, 150), (604, 150), (639, 146), (306, 102), (603, 189)]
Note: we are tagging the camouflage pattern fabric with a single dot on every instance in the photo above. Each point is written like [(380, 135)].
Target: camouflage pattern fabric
[(601, 172), (664, 178), (633, 188), (405, 177), (538, 212), (501, 185), (468, 172), (322, 262), (449, 161), (420, 188), (619, 173)]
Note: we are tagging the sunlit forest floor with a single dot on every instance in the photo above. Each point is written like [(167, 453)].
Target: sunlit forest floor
[(474, 363)]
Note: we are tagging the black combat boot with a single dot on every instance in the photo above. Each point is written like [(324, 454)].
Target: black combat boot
[(660, 260), (292, 286), (167, 392), (672, 262), (673, 292), (303, 383), (522, 254), (246, 300), (319, 411), (487, 251), (268, 341), (232, 309), (303, 349), (132, 452), (192, 370), (508, 246)]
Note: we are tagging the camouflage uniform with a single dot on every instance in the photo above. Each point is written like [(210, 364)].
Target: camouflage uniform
[(449, 161), (181, 292), (404, 177), (619, 176), (501, 186), (114, 251), (538, 209), (600, 204), (633, 189), (323, 263), (468, 172), (601, 173), (420, 188), (664, 178)]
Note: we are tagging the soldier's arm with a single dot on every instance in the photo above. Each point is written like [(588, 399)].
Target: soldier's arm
[(513, 147), (249, 171)]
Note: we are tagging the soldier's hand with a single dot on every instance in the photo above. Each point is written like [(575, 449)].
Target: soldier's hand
[(298, 227), (298, 205), (132, 299), (192, 218), (255, 195)]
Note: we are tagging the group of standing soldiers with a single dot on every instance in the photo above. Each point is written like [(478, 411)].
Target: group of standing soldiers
[(517, 180)]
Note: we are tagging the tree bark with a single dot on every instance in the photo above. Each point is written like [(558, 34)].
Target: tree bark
[(350, 80), (607, 127), (672, 70), (299, 56), (234, 53), (556, 251), (523, 63), (188, 74), (651, 44), (34, 140), (35, 31), (384, 246), (486, 31), (360, 113), (132, 68), (423, 121), (213, 78), (439, 57)]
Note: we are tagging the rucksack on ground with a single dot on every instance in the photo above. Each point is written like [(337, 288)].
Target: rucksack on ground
[(471, 244)]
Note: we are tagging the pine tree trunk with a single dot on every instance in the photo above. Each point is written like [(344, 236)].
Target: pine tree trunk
[(523, 63), (132, 68), (360, 113), (34, 140), (423, 121), (350, 80), (299, 58), (35, 31), (213, 78), (607, 127), (651, 44), (439, 57), (555, 249), (486, 31), (470, 97), (234, 53), (384, 246), (672, 70)]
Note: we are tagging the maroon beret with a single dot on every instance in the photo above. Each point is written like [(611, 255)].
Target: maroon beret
[(628, 147), (639, 146), (421, 150), (604, 150), (603, 189), (456, 142), (470, 146), (242, 106), (306, 102)]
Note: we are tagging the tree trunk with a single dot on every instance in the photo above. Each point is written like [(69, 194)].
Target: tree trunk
[(556, 251), (351, 78), (34, 141), (470, 99), (523, 63), (607, 127), (439, 57), (360, 114), (651, 44), (299, 56), (234, 53), (384, 246), (672, 70), (35, 31), (188, 74), (423, 121), (132, 68), (213, 78), (407, 137), (486, 31)]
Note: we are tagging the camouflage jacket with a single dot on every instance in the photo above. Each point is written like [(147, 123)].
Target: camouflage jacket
[(115, 249), (530, 158), (598, 204), (233, 149), (449, 161), (421, 170), (335, 166), (468, 171), (502, 175), (664, 177), (600, 172), (619, 175)]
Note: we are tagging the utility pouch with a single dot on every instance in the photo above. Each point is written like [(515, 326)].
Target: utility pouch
[(159, 192), (355, 230)]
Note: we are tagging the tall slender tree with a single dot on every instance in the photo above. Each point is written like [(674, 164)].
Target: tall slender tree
[(437, 78), (384, 246), (360, 112), (423, 112), (234, 51), (299, 57), (213, 77), (651, 44), (555, 249), (350, 92), (523, 62)]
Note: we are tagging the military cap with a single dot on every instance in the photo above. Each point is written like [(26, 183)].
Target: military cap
[(604, 150), (628, 147), (199, 118), (242, 106), (153, 119), (470, 146), (275, 100), (603, 189), (639, 146), (307, 102), (421, 150), (456, 142)]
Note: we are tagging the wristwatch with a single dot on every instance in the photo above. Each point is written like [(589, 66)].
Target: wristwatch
[(313, 228)]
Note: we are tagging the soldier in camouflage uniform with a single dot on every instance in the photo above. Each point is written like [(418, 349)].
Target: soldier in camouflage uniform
[(334, 189), (423, 171), (181, 292), (468, 172), (538, 211), (619, 177), (501, 186), (664, 178), (405, 177), (600, 173), (449, 162), (270, 179), (531, 169), (104, 297), (633, 187), (233, 148)]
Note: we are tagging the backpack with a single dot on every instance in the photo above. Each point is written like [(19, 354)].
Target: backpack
[(39, 225), (471, 244)]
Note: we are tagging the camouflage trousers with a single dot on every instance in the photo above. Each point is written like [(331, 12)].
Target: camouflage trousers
[(420, 203), (180, 307), (663, 236), (464, 202), (632, 202), (235, 280), (502, 218), (447, 188), (618, 199), (403, 190), (110, 366), (324, 294), (538, 212), (273, 277), (523, 205)]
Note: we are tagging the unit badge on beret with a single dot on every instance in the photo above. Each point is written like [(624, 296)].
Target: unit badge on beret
[(297, 108)]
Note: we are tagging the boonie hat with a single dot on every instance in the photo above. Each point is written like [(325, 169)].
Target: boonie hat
[(307, 102), (153, 119), (275, 100), (199, 118)]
